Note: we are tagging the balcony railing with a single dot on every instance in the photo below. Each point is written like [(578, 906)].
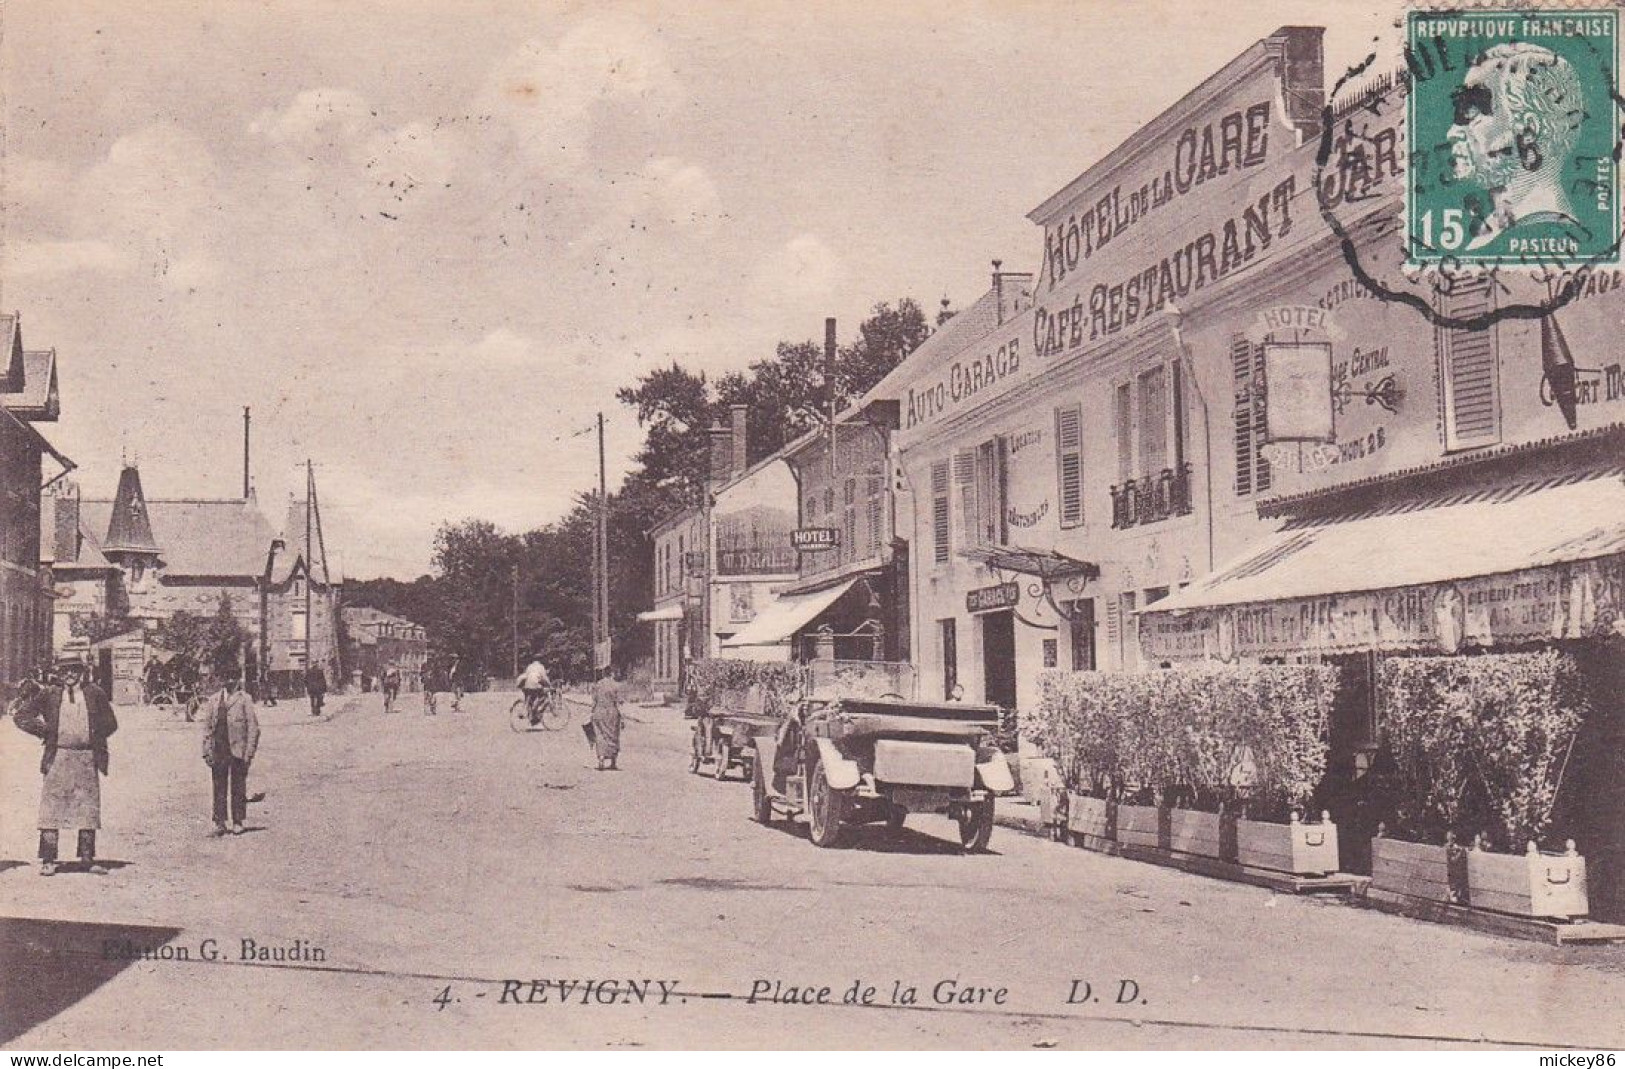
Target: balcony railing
[(1152, 498)]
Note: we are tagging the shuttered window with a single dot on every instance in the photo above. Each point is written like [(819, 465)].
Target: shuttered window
[(939, 511), (1471, 365), (1153, 420), (1123, 419), (1069, 464), (965, 483), (1250, 415), (990, 492), (875, 504)]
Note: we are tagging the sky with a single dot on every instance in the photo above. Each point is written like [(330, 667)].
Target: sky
[(426, 241)]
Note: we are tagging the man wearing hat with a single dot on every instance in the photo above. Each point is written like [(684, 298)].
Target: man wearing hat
[(74, 719)]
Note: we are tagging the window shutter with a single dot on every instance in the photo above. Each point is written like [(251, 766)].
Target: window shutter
[(1069, 464), (1261, 399), (875, 505), (1471, 374), (939, 511), (965, 479), (1241, 365), (1123, 416), (1114, 622), (1001, 520)]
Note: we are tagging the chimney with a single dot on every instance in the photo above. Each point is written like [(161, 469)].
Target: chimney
[(65, 543), (998, 289), (738, 417), (721, 453)]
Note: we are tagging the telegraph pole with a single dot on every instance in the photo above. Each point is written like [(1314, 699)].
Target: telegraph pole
[(600, 565), (829, 389), (310, 572), (516, 618)]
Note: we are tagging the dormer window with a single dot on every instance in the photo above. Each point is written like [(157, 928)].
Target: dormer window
[(298, 588)]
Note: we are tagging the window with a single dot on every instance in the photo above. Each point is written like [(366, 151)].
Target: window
[(1154, 594), (1471, 368), (965, 480), (1082, 626), (939, 511), (829, 501), (1249, 416), (1123, 423), (991, 465), (299, 631), (1128, 631), (950, 657), (849, 521), (1050, 652), (1151, 394), (1069, 464)]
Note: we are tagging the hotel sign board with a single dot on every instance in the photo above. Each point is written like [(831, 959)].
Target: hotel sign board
[(815, 539)]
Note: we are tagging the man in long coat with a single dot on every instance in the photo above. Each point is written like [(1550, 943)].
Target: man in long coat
[(231, 736), (74, 720)]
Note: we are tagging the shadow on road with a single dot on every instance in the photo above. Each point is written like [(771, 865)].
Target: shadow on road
[(51, 965), (878, 839)]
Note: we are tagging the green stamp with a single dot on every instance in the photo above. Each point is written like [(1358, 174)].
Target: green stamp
[(1513, 128)]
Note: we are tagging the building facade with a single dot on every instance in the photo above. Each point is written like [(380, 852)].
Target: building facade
[(122, 565), (28, 395), (380, 640), (679, 596)]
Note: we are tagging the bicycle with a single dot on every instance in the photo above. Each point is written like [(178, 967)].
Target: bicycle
[(547, 710)]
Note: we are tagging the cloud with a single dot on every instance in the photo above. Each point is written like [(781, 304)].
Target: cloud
[(313, 114), (501, 346), (49, 259), (804, 268)]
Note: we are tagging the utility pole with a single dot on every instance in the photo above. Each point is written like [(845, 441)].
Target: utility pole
[(516, 618), (245, 453), (601, 654), (829, 389), (310, 572)]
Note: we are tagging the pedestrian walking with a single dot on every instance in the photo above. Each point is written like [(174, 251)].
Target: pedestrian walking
[(454, 673), (606, 723), (316, 688), (431, 681), (231, 737), (391, 683), (74, 720)]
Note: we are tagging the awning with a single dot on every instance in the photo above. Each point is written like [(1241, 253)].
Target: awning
[(784, 616), (1046, 564), (1561, 520), (665, 612)]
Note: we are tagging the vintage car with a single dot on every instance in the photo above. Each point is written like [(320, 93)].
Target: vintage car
[(853, 761)]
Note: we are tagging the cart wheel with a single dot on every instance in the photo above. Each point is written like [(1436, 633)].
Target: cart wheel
[(976, 825), (761, 804), (895, 817), (826, 806), (724, 757), (694, 752)]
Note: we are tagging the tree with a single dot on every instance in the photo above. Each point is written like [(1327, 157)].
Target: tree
[(884, 340), (206, 641)]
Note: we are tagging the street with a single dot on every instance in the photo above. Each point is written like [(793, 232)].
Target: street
[(444, 882)]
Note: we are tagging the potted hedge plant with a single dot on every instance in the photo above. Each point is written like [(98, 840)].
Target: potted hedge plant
[(1481, 744)]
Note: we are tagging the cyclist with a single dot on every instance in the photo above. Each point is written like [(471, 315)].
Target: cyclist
[(454, 673), (534, 683), (391, 683)]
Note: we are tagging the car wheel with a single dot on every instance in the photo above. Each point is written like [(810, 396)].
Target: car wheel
[(760, 802), (976, 825), (826, 806)]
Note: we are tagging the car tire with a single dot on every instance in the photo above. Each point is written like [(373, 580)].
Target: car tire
[(761, 804), (826, 807), (976, 825)]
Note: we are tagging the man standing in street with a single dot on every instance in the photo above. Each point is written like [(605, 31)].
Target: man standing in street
[(74, 720), (316, 687), (231, 735), (391, 683)]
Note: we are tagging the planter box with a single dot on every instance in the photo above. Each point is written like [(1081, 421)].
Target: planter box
[(1193, 832), (1139, 825), (1086, 815), (1529, 885), (1297, 848), (1415, 869)]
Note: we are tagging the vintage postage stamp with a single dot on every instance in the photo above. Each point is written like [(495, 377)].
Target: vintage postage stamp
[(1513, 127)]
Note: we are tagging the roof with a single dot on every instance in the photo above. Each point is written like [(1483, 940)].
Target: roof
[(952, 338), (11, 353), (89, 556), (1472, 533), (199, 536), (365, 614), (37, 398), (319, 563), (129, 529)]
